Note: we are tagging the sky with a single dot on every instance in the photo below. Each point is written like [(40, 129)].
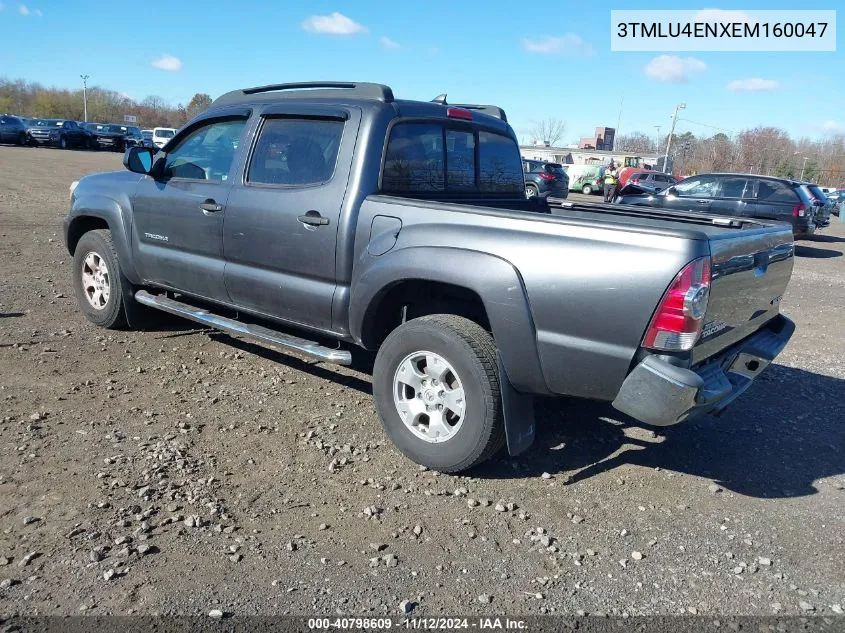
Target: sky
[(536, 60)]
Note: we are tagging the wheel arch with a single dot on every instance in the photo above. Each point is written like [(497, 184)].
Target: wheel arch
[(90, 213), (473, 279)]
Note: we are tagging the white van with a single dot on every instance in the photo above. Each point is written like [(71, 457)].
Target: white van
[(585, 178), (161, 135)]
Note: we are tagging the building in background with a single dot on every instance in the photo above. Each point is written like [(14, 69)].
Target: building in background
[(602, 140), (577, 156)]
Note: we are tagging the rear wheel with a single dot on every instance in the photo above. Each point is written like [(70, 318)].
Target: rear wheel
[(436, 388), (531, 191), (586, 190)]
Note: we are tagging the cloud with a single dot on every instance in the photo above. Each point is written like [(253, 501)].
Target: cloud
[(673, 69), (334, 24), (167, 62), (722, 15), (23, 9), (567, 44), (755, 84), (388, 43), (833, 127)]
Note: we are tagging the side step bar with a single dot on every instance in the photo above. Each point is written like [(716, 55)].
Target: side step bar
[(301, 346)]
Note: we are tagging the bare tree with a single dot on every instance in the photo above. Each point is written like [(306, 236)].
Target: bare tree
[(637, 142), (549, 130)]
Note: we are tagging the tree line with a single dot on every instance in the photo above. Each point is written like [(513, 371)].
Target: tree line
[(31, 99), (762, 150)]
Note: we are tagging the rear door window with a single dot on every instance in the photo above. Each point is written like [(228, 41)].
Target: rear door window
[(775, 192), (295, 152), (732, 187)]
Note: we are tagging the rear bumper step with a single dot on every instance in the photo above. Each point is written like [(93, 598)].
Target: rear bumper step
[(263, 335)]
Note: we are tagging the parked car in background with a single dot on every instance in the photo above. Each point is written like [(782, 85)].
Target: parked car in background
[(585, 178), (649, 180), (838, 199), (161, 135), (741, 195), (132, 136), (148, 138), (62, 133), (545, 179), (107, 136), (823, 203), (12, 130)]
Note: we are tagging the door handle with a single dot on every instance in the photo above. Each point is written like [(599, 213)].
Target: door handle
[(703, 201), (313, 218), (210, 206)]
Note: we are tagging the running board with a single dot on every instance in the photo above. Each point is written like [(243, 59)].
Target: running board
[(301, 346)]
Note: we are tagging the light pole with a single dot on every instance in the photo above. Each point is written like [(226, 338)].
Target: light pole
[(801, 177), (680, 106), (85, 96), (657, 147)]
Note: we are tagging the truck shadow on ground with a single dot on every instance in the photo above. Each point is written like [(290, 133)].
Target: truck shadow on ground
[(815, 253), (775, 441)]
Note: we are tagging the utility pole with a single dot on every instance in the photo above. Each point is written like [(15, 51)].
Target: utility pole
[(680, 106), (801, 177), (85, 96), (618, 123), (657, 147)]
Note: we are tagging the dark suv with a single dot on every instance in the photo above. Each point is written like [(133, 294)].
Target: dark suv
[(653, 181), (743, 195), (12, 130), (545, 179)]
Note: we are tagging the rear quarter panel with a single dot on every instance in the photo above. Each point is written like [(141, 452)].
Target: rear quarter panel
[(590, 291)]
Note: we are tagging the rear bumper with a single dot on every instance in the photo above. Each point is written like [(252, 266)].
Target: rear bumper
[(659, 393)]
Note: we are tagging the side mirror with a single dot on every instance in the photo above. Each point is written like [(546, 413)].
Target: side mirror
[(138, 159), (671, 191)]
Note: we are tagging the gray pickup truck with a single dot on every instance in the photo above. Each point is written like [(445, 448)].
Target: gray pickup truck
[(321, 217)]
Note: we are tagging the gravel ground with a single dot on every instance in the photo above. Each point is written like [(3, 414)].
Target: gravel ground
[(183, 471)]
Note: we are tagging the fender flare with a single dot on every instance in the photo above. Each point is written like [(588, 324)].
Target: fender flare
[(495, 280), (108, 210)]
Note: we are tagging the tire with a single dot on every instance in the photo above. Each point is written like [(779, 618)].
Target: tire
[(111, 313), (22, 139), (470, 353), (586, 190), (62, 142), (531, 191)]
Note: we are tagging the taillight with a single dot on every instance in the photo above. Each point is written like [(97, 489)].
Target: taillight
[(679, 318), (544, 175), (799, 210), (459, 113), (635, 181)]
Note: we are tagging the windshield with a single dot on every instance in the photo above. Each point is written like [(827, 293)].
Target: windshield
[(115, 129), (47, 123), (164, 133)]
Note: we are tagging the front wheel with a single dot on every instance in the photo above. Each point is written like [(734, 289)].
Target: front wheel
[(436, 388), (530, 191), (97, 281), (63, 142), (586, 190), (22, 139)]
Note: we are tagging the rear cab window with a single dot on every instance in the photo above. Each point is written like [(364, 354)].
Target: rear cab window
[(431, 157)]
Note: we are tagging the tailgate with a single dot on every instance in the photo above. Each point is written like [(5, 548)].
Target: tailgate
[(750, 270)]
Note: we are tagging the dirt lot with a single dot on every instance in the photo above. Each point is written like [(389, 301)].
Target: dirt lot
[(180, 471)]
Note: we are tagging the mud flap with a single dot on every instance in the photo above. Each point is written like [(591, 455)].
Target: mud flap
[(518, 410)]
